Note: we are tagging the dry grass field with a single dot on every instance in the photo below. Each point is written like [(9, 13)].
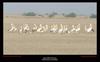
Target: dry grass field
[(81, 43)]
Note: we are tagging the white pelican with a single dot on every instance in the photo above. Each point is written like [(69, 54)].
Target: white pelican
[(34, 28), (26, 28), (45, 28), (90, 29), (78, 28), (73, 28), (13, 28), (61, 29), (40, 29), (66, 29), (53, 28), (21, 29)]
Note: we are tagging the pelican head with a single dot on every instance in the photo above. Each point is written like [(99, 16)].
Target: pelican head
[(90, 25), (73, 26), (40, 25), (12, 24)]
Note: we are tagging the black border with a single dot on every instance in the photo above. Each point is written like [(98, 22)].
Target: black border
[(50, 0), (28, 58)]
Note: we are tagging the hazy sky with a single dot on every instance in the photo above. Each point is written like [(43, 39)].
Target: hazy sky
[(79, 8)]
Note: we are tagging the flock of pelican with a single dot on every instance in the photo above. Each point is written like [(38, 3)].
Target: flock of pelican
[(55, 28)]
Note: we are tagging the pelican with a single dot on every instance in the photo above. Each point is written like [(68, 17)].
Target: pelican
[(73, 28), (51, 28), (13, 28), (40, 29), (34, 28), (61, 29), (45, 28), (78, 28), (26, 28), (66, 29), (90, 29), (54, 28), (21, 29)]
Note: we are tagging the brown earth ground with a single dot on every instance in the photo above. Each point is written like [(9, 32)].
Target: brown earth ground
[(48, 43)]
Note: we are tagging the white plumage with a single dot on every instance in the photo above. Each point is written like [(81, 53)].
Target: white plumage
[(78, 28), (34, 28), (45, 28), (61, 29), (40, 29), (73, 28), (53, 28), (13, 28), (90, 29), (66, 29), (26, 28), (21, 29)]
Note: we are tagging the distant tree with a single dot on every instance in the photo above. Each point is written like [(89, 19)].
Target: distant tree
[(69, 15), (40, 15), (63, 14), (93, 16), (53, 14), (46, 14), (50, 15), (29, 14)]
